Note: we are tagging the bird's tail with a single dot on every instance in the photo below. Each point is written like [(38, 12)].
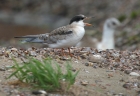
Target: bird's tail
[(30, 38)]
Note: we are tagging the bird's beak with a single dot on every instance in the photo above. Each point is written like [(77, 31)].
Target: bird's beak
[(86, 18), (87, 24)]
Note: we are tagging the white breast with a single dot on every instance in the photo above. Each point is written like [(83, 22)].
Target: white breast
[(79, 32), (71, 40)]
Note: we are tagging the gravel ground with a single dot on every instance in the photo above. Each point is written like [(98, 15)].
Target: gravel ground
[(102, 73)]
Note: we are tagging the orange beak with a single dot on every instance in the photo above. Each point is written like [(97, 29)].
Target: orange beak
[(87, 24)]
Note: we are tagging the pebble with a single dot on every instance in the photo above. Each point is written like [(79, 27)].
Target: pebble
[(86, 64), (84, 83), (8, 67), (133, 56), (89, 64), (39, 92), (110, 75), (127, 86), (86, 71), (127, 71), (65, 58), (73, 69), (14, 49), (96, 58), (33, 53), (121, 94), (134, 74), (2, 69), (76, 61), (83, 56), (15, 91)]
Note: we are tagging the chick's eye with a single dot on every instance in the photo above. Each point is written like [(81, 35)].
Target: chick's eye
[(113, 23)]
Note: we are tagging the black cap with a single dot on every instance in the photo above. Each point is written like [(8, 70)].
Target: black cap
[(77, 18)]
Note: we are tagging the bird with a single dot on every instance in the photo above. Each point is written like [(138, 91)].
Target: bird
[(107, 41), (62, 37)]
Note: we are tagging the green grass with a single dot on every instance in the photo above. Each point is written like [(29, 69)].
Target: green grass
[(122, 17), (43, 74), (134, 14)]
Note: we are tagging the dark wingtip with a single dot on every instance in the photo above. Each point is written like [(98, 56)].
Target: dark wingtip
[(17, 37), (20, 37), (23, 37)]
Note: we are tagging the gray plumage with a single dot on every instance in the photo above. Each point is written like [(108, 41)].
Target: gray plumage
[(49, 38)]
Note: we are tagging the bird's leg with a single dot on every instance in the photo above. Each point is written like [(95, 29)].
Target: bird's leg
[(62, 51), (82, 49), (70, 53)]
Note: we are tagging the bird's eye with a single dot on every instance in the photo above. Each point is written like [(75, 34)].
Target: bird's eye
[(113, 23)]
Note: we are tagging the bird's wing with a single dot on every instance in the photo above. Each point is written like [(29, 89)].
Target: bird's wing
[(53, 37), (59, 34), (33, 38)]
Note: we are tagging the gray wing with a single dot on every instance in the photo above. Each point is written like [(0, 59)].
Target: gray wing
[(56, 35), (59, 34), (34, 38)]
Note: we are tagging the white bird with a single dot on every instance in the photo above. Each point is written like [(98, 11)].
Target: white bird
[(62, 37), (107, 42)]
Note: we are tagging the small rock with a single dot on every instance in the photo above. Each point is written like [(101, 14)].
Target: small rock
[(33, 53), (86, 71), (133, 56), (83, 56), (8, 67), (127, 71), (86, 64), (96, 58), (95, 66), (65, 58), (89, 64), (14, 49), (110, 75), (134, 74), (121, 94), (39, 92), (15, 91), (127, 85), (73, 69), (2, 69), (84, 83), (76, 61), (122, 80)]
